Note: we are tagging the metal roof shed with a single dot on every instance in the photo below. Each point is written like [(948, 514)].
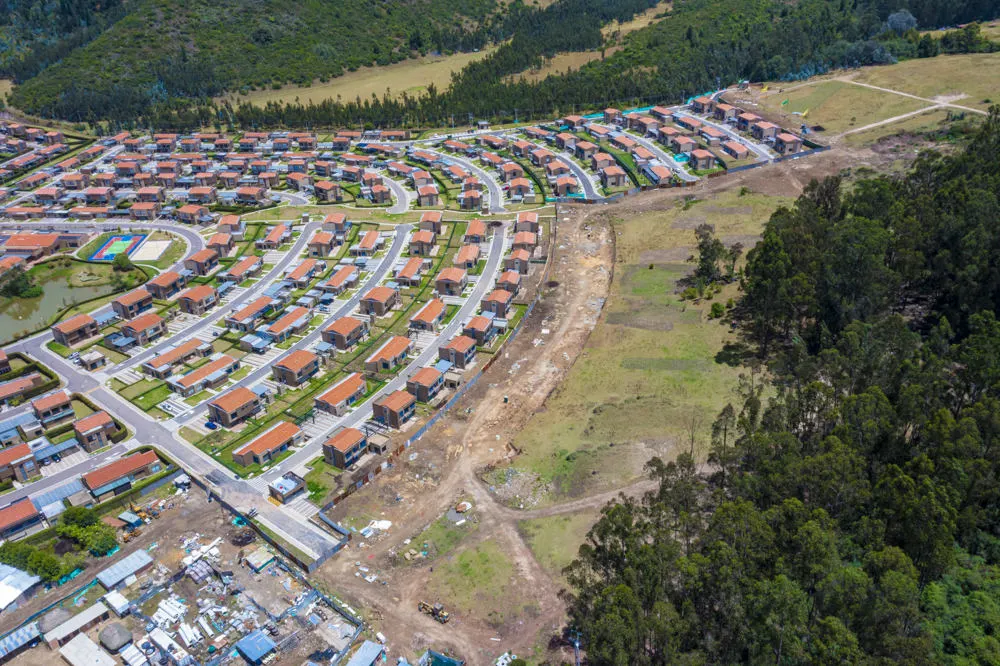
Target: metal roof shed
[(81, 651), (18, 639), (255, 646), (368, 654), (114, 575)]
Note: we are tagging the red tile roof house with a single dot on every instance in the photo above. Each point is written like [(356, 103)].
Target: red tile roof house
[(470, 200), (322, 244), (745, 120), (117, 477), (198, 299), (193, 214), (432, 221), (498, 302), (52, 407), (475, 232), (712, 136), (75, 330), (701, 159), (251, 196), (525, 240), (275, 237), (342, 395), (683, 144), (221, 244), (133, 303), (428, 196), (367, 246), (467, 256), (336, 223), (18, 518), (451, 281), (395, 409), (14, 388), (736, 150), (229, 179), (379, 301), (542, 156), (296, 368), (509, 281), (422, 243), (246, 319), (520, 187), (430, 316), (303, 274), (98, 195), (269, 445), (409, 274), (460, 352), (613, 176), (345, 332), (510, 171), (167, 284), (380, 194), (344, 448), (472, 183), (725, 112), (243, 269), (201, 195), (787, 144), (202, 262), (519, 260), (584, 150), (48, 195), (573, 121), (145, 329), (234, 407), (144, 210), (425, 384), (94, 431), (702, 105), (566, 141), (390, 355), (556, 168), (327, 190), (292, 322), (343, 278), (232, 225), (298, 181), (456, 173), (600, 161), (764, 130)]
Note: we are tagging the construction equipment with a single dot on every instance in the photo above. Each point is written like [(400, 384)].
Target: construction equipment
[(128, 536), (436, 611)]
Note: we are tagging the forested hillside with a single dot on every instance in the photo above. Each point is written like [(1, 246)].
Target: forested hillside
[(163, 51), (855, 516), (165, 59), (699, 44)]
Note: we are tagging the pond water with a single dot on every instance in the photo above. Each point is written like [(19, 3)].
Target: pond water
[(21, 314)]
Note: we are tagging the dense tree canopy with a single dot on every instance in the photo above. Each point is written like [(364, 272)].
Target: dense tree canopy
[(854, 517)]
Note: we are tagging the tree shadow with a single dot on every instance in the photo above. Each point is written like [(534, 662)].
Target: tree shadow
[(734, 354)]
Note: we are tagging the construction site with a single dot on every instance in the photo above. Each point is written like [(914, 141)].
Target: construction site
[(194, 586)]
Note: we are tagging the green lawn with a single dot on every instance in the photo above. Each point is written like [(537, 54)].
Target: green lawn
[(555, 540), (153, 397), (475, 579), (320, 480), (442, 536)]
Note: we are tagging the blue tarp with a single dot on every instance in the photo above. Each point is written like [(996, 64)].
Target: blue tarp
[(255, 646)]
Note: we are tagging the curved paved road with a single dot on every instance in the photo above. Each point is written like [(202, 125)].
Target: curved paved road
[(496, 192)]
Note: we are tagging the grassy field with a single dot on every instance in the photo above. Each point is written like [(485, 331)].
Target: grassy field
[(641, 21), (924, 122), (410, 76), (559, 63), (554, 540), (5, 87), (442, 536), (977, 76), (650, 373), (988, 30), (477, 578), (838, 106)]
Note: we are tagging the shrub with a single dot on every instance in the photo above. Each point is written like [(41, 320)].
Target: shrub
[(717, 310)]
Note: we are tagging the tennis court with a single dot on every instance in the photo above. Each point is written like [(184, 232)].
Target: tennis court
[(120, 244)]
